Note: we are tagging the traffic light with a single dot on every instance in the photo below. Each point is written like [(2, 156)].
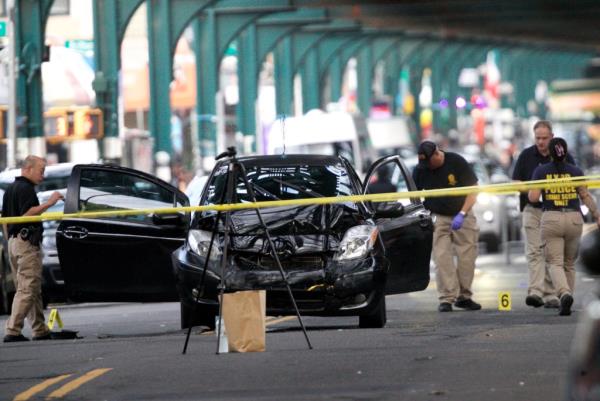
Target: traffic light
[(88, 124), (62, 124), (56, 125)]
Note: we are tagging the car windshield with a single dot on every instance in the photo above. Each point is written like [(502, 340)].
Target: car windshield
[(284, 182)]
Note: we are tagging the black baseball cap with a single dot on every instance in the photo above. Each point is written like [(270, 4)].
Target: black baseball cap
[(426, 150)]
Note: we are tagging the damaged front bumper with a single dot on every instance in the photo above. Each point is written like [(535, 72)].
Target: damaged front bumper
[(329, 288)]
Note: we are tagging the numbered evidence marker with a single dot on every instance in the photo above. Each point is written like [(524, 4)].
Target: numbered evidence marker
[(504, 301), (54, 318)]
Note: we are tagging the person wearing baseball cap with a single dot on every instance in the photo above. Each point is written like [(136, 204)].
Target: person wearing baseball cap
[(456, 231)]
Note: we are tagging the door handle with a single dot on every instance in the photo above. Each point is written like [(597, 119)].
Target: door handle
[(75, 232)]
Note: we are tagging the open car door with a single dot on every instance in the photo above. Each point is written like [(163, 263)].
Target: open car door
[(120, 258), (405, 226)]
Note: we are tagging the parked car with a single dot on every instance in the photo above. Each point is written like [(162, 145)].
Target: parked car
[(55, 178), (339, 259)]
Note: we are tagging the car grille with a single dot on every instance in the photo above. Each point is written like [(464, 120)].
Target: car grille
[(292, 263)]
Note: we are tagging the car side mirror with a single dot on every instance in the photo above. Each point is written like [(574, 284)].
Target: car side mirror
[(169, 219), (388, 209)]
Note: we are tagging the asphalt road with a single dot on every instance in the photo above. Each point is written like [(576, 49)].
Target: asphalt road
[(133, 352)]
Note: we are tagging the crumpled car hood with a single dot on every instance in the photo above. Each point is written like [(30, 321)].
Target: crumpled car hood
[(295, 229)]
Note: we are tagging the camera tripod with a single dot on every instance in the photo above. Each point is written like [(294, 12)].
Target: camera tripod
[(235, 170)]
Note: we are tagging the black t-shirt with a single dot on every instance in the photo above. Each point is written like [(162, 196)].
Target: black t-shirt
[(529, 159), (19, 197), (560, 197), (455, 172)]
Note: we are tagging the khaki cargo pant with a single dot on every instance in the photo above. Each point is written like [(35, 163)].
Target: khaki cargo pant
[(26, 266), (561, 233), (455, 280), (540, 283)]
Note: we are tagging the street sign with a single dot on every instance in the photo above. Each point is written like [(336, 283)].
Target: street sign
[(2, 28)]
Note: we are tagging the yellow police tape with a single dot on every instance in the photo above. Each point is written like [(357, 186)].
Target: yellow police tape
[(498, 189)]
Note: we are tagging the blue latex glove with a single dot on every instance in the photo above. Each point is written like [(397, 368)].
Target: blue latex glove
[(457, 221)]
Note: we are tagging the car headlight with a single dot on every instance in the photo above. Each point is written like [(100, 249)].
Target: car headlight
[(357, 242), (199, 242)]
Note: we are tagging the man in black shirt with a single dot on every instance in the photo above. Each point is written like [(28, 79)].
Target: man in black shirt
[(540, 291), (456, 231), (24, 251)]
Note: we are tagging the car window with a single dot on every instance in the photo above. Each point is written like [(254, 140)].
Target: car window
[(284, 182), (389, 177), (106, 190)]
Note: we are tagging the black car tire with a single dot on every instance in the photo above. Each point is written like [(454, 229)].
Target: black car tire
[(377, 318), (202, 315)]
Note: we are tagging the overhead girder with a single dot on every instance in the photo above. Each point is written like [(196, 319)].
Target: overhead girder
[(254, 43), (214, 30), (330, 65), (369, 56), (305, 56)]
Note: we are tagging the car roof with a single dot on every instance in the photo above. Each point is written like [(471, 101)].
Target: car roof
[(286, 160)]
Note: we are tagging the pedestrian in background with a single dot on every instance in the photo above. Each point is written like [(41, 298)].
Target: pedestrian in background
[(24, 251), (456, 232), (540, 291), (562, 221)]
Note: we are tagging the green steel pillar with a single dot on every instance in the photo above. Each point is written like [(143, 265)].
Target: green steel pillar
[(284, 77), (392, 80), (207, 83), (247, 82), (311, 84), (254, 45), (30, 20), (365, 79), (161, 72), (110, 22), (336, 70)]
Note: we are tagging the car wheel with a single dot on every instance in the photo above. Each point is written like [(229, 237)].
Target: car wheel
[(202, 315), (377, 318)]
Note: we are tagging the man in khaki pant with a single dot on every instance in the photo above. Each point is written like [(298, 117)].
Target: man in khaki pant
[(456, 231), (24, 251), (541, 291)]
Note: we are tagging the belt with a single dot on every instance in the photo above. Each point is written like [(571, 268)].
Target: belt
[(561, 209)]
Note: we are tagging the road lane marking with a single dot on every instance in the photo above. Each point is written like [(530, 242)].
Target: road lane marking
[(38, 388), (75, 384)]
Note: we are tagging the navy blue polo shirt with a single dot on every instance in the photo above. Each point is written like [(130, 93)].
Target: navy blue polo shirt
[(529, 159), (19, 197), (455, 172), (560, 197)]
